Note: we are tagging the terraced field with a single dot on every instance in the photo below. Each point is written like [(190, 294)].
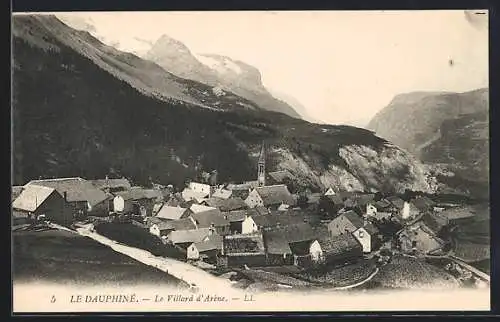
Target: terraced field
[(407, 272), (343, 276)]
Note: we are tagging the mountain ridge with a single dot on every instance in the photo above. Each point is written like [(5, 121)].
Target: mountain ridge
[(446, 130), (247, 83), (75, 118)]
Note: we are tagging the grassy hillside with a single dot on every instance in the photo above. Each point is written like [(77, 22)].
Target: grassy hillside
[(449, 131), (74, 116), (411, 120), (51, 35), (64, 257), (245, 81)]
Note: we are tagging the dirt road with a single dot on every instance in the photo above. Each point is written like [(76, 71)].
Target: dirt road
[(183, 271)]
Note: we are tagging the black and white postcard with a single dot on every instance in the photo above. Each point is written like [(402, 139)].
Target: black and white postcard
[(250, 161)]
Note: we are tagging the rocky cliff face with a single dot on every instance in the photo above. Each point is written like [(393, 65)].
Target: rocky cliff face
[(76, 116), (388, 169), (412, 119), (447, 131)]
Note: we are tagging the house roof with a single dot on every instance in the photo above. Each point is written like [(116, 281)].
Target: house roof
[(260, 210), (235, 215), (188, 236), (434, 221), (280, 176), (188, 194), (195, 208), (206, 218), (457, 213), (243, 194), (296, 233), (329, 191), (163, 225), (240, 215), (175, 200), (313, 198), (371, 229), (276, 243), (242, 186), (335, 199), (77, 189), (183, 224), (214, 242), (340, 244), (204, 185), (172, 213), (354, 218), (32, 197), (154, 220), (423, 203), (16, 191), (226, 204), (396, 201), (382, 204), (248, 244), (275, 220), (111, 183), (379, 215), (138, 193), (347, 194), (222, 193), (276, 194)]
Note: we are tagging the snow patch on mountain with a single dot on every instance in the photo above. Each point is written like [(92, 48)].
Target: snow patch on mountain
[(221, 66)]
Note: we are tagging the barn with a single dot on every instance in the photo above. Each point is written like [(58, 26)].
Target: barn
[(36, 201)]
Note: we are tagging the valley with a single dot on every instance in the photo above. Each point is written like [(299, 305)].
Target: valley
[(184, 171)]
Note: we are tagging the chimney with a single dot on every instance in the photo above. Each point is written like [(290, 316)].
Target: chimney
[(65, 196)]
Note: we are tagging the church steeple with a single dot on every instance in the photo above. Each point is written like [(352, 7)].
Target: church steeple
[(261, 175)]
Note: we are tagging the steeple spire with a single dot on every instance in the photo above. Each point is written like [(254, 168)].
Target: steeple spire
[(261, 175)]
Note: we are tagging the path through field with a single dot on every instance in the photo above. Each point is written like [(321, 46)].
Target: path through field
[(183, 271)]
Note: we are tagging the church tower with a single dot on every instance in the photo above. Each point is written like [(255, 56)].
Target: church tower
[(261, 175)]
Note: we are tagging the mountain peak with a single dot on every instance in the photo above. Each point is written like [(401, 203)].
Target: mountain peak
[(169, 44), (221, 71)]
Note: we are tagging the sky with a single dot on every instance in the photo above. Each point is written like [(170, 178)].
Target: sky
[(343, 66)]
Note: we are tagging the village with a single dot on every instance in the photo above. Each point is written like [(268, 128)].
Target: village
[(257, 230)]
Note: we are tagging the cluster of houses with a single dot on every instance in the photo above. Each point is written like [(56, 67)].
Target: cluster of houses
[(255, 223), (66, 200)]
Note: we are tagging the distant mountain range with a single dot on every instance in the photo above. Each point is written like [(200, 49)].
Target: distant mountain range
[(82, 108), (210, 69), (448, 130), (216, 70)]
